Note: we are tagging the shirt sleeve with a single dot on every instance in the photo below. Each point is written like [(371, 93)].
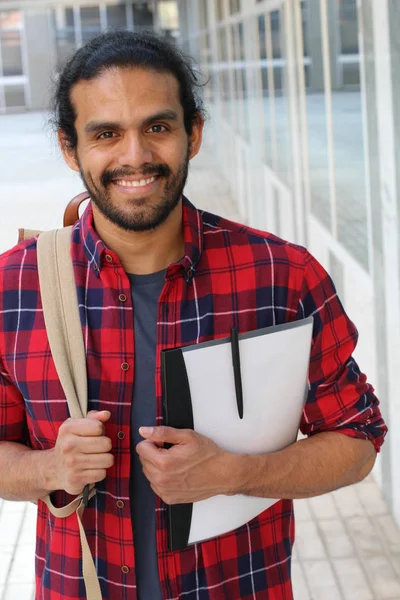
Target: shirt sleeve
[(339, 398), (13, 426)]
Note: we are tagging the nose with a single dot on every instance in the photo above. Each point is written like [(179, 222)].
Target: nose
[(134, 150)]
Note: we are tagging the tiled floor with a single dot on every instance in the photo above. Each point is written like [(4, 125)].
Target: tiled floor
[(347, 545)]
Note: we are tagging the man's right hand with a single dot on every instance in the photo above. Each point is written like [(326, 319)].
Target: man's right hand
[(82, 453)]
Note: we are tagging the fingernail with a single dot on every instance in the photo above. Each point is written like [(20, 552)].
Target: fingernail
[(146, 430)]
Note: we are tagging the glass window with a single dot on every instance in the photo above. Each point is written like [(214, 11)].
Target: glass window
[(10, 20), (348, 26), (142, 16), (116, 16), (203, 14), (234, 6), (222, 45), (348, 140), (304, 22), (261, 37), (219, 10), (65, 35), (10, 42), (275, 17), (11, 53), (351, 74), (167, 15), (90, 22), (14, 96)]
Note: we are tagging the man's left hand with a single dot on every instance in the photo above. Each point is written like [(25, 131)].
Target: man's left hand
[(193, 469)]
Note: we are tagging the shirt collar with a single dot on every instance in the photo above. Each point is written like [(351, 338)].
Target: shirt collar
[(95, 249)]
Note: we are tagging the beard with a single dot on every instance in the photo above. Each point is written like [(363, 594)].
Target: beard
[(142, 216)]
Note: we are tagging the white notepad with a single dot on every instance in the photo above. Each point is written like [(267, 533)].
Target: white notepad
[(274, 371)]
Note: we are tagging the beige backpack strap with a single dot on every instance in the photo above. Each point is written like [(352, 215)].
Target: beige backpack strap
[(61, 316), (63, 327), (27, 234)]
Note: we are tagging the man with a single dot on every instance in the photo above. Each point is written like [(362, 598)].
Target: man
[(129, 120)]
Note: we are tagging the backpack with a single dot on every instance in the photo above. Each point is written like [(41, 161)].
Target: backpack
[(63, 326)]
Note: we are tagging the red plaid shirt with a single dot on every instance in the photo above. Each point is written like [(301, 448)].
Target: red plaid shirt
[(231, 275)]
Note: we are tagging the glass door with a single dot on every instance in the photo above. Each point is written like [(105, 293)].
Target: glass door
[(13, 81)]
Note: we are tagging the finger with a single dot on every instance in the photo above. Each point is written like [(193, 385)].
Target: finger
[(100, 415), (148, 452), (169, 435), (96, 461), (94, 475), (82, 427), (94, 445)]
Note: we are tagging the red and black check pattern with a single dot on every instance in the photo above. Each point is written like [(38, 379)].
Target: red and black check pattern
[(231, 275)]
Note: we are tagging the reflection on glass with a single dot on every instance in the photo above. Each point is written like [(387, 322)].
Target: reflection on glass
[(240, 96), (14, 96), (10, 43), (346, 149), (266, 105), (11, 53), (234, 6), (223, 75), (349, 144), (142, 16), (206, 61), (219, 9), (90, 22), (116, 16), (348, 26), (10, 20), (276, 116), (316, 117), (65, 35), (167, 16), (203, 14)]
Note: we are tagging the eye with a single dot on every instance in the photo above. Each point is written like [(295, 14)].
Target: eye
[(106, 135), (158, 129)]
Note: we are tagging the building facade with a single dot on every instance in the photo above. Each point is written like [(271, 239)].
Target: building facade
[(37, 37), (306, 126)]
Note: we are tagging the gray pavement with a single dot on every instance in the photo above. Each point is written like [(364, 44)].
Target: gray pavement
[(347, 544)]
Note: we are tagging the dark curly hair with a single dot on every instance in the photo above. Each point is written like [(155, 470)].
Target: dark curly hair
[(126, 49)]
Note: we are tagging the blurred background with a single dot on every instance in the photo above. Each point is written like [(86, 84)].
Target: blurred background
[(303, 141)]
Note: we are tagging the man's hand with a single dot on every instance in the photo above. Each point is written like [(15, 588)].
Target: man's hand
[(193, 469), (81, 454)]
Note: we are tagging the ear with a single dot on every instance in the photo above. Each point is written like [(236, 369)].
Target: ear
[(68, 152), (196, 136)]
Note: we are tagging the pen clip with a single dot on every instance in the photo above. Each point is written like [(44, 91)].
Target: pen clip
[(236, 370)]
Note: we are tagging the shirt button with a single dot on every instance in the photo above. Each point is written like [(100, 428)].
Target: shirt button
[(120, 435), (95, 266), (109, 258), (125, 366), (120, 503), (122, 298), (125, 569)]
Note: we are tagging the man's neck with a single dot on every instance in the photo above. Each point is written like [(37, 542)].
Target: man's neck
[(144, 252)]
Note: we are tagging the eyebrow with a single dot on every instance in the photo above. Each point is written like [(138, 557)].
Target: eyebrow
[(165, 115)]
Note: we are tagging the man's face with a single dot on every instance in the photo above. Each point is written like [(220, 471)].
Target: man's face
[(133, 150)]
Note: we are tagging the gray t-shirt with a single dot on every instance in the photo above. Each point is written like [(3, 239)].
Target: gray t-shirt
[(145, 290)]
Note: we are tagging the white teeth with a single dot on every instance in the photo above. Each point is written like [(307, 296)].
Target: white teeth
[(140, 183)]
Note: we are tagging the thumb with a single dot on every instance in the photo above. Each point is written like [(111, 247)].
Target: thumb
[(99, 415), (170, 435)]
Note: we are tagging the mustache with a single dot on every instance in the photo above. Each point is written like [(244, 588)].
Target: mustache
[(160, 170)]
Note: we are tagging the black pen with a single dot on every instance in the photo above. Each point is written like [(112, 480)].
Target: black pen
[(236, 370)]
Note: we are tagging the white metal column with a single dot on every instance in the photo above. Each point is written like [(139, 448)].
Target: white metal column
[(390, 232)]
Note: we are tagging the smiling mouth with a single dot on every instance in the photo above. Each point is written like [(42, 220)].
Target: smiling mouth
[(131, 184)]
